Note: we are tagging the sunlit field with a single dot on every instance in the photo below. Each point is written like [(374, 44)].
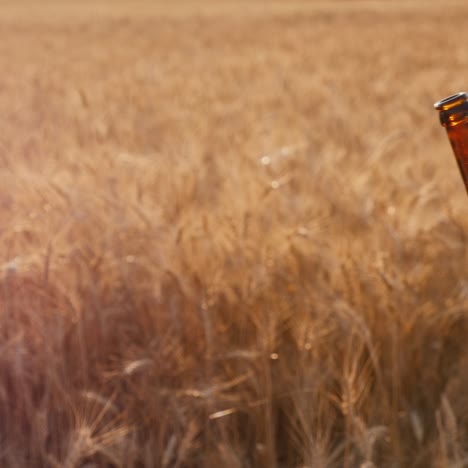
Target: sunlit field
[(232, 234)]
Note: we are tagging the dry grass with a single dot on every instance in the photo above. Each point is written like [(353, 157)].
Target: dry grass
[(232, 240)]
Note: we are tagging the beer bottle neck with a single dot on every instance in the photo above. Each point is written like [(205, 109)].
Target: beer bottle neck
[(453, 113)]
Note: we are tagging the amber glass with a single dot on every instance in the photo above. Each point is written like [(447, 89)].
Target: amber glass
[(453, 112)]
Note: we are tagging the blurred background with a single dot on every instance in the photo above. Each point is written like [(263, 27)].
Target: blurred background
[(231, 233)]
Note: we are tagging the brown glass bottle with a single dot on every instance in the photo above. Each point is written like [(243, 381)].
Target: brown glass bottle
[(453, 113)]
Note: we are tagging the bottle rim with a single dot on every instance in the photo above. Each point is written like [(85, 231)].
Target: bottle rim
[(451, 101)]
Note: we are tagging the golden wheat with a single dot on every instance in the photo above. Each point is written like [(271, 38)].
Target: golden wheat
[(232, 235)]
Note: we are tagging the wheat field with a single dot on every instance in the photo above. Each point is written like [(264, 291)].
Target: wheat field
[(232, 234)]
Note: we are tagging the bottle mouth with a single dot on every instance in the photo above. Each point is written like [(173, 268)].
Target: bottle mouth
[(453, 109), (451, 101)]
